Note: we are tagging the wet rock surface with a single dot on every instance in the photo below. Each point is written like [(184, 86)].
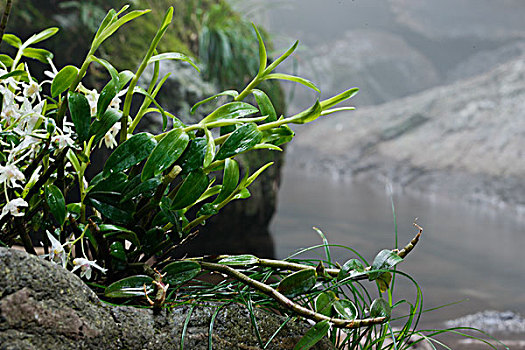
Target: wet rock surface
[(492, 322), (43, 306), (462, 141)]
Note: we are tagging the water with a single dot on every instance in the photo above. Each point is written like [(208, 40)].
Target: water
[(467, 253)]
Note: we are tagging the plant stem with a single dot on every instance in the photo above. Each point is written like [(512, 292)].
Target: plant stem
[(5, 18)]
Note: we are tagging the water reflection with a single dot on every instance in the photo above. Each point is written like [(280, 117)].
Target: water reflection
[(466, 253)]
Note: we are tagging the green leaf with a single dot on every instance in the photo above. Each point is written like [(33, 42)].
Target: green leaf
[(278, 136), (100, 127), (80, 114), (130, 287), (12, 40), (112, 28), (116, 250), (346, 309), (380, 308), (351, 268), (345, 95), (180, 272), (262, 52), (38, 54), (324, 302), (281, 76), (313, 336), (193, 156), (166, 153), (6, 60), (124, 77), (280, 59), (131, 152), (230, 110), (118, 232), (63, 80), (111, 17), (297, 283), (15, 73), (240, 141), (173, 56), (383, 281), (113, 183), (307, 116), (111, 210), (146, 189), (256, 174), (43, 35), (107, 94), (230, 180), (239, 260), (243, 194), (191, 189), (210, 148), (385, 260), (56, 202), (265, 105), (231, 93)]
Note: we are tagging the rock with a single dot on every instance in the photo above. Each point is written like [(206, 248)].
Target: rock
[(448, 19), (43, 306), (492, 322), (463, 140)]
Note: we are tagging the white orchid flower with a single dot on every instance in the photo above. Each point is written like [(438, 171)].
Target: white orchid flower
[(57, 253), (13, 207), (10, 174), (110, 138), (86, 266)]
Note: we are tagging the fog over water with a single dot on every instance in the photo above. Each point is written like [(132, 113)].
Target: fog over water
[(468, 252)]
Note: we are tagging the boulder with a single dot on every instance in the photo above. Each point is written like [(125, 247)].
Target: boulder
[(43, 306), (464, 140)]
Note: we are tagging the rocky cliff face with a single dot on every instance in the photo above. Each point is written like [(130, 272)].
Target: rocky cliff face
[(461, 140), (43, 306)]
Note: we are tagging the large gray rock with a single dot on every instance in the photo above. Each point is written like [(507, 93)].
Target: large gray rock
[(43, 306), (464, 140)]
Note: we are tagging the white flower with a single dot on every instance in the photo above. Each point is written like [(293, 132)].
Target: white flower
[(63, 141), (86, 266), (9, 174), (31, 89), (13, 207), (110, 137), (92, 97), (57, 253)]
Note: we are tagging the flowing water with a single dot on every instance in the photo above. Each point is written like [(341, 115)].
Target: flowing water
[(467, 253)]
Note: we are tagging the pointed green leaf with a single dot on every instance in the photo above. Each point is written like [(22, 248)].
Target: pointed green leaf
[(346, 309), (345, 95), (116, 250), (193, 156), (124, 77), (297, 283), (146, 189), (351, 268), (41, 55), (130, 287), (12, 40), (80, 114), (230, 110), (63, 80), (191, 189), (43, 35), (6, 60), (278, 136), (180, 272), (111, 17), (239, 260), (380, 308), (107, 94), (229, 181), (118, 213), (101, 126), (243, 194), (117, 232), (231, 93), (131, 152), (313, 336), (265, 105), (385, 260), (210, 148), (112, 28), (56, 202), (307, 116), (281, 76), (262, 52), (166, 153), (284, 56), (256, 174), (15, 73), (173, 56), (240, 141)]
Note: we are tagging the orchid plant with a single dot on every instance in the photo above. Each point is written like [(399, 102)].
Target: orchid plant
[(119, 227)]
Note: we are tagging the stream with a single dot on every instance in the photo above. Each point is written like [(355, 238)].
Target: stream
[(468, 254)]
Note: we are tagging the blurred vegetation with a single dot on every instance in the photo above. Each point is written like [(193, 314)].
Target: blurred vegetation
[(207, 30)]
